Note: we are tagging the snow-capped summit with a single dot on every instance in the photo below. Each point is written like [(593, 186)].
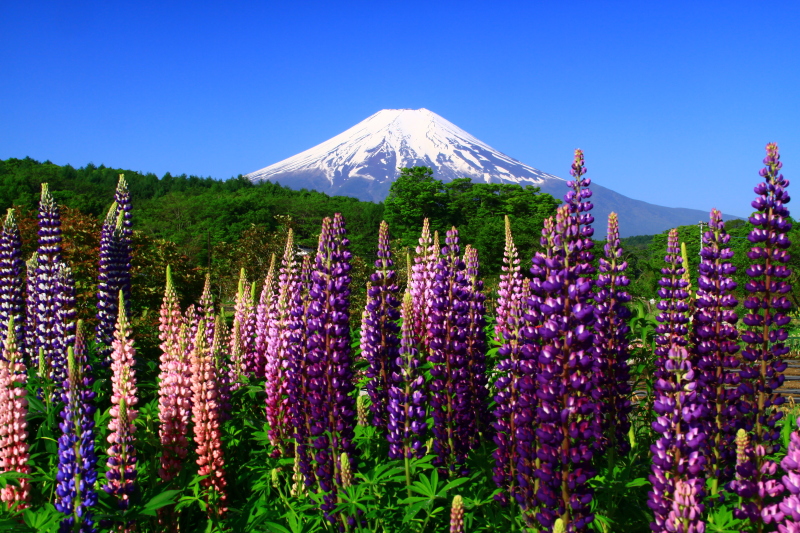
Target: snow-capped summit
[(364, 161)]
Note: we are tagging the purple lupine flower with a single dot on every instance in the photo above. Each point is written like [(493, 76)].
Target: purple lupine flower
[(715, 346), (567, 425), (219, 350), (612, 330), (579, 204), (407, 399), (64, 326), (121, 463), (122, 197), (29, 344), (46, 288), (107, 299), (263, 309), (678, 453), (513, 292), (328, 360), (476, 349), (448, 325), (379, 332), (790, 506), (280, 349), (12, 286), (77, 462), (761, 374)]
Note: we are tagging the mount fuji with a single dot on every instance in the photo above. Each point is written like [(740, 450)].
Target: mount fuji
[(364, 160)]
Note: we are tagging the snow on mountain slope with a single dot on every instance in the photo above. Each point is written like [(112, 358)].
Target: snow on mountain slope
[(364, 160)]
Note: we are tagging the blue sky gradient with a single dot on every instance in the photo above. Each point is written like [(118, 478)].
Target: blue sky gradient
[(672, 102)]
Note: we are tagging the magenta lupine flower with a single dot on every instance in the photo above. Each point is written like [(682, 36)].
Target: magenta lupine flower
[(761, 374), (219, 350), (448, 325), (790, 506), (379, 331), (612, 330), (121, 463), (14, 454), (678, 452), (686, 511), (513, 293), (567, 425), (12, 269), (421, 281), (174, 387), (263, 309), (328, 360), (46, 287), (280, 348), (715, 347), (206, 424), (407, 399), (476, 349)]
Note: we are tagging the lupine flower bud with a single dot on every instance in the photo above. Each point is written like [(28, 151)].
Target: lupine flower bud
[(347, 474), (558, 527), (14, 454), (362, 410), (121, 463), (298, 480), (457, 515), (379, 333), (12, 269)]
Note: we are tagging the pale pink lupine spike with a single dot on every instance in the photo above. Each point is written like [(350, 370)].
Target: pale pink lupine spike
[(121, 452), (278, 346), (206, 423), (14, 454), (174, 390), (238, 333), (265, 306), (205, 307), (219, 351)]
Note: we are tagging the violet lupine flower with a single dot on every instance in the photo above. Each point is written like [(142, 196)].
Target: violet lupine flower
[(121, 462), (77, 462), (280, 349), (12, 267), (174, 386), (379, 332), (678, 452), (476, 349), (107, 299), (46, 288), (265, 304), (568, 428), (790, 506), (612, 330), (448, 325), (407, 399), (513, 292), (328, 360), (64, 326), (14, 454), (579, 205), (219, 350), (29, 345), (206, 424), (715, 347), (761, 374)]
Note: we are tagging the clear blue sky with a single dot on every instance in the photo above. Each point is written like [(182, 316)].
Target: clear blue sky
[(672, 102)]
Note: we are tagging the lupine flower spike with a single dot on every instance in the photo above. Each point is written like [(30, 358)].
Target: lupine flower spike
[(457, 515), (174, 387), (29, 346), (761, 374), (476, 349), (380, 331), (612, 331), (206, 422), (14, 454), (677, 455), (265, 306), (420, 281), (512, 297), (77, 462), (12, 270), (121, 463), (715, 346), (48, 259), (790, 506), (239, 341)]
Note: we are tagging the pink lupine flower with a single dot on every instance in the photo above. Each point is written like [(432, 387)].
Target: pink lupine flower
[(122, 454), (206, 419), (175, 395), (13, 425), (241, 341), (265, 304)]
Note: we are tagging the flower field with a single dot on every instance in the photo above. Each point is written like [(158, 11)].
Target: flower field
[(560, 407)]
